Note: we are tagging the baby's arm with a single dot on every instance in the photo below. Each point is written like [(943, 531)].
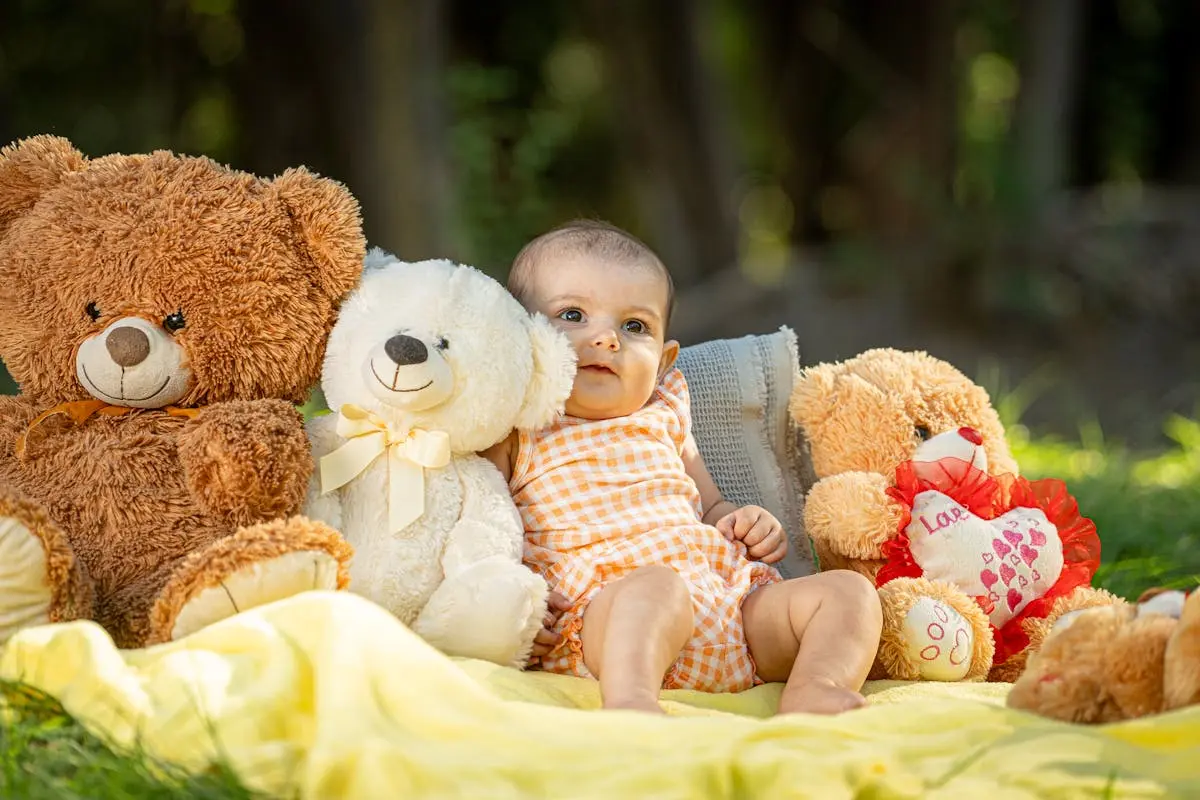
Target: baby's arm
[(755, 526)]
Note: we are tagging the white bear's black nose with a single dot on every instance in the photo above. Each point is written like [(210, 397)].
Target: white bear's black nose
[(405, 350)]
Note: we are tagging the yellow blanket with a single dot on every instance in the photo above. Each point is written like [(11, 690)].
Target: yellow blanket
[(327, 696)]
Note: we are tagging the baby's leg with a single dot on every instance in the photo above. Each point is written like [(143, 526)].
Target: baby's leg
[(633, 630), (818, 633)]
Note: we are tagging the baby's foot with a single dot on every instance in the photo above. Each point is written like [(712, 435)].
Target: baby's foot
[(819, 696), (634, 702)]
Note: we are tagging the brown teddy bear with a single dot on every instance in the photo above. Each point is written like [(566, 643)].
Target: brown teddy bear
[(161, 315), (1117, 663), (915, 487)]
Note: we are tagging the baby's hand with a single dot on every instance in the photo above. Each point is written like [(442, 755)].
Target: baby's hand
[(546, 638), (758, 529)]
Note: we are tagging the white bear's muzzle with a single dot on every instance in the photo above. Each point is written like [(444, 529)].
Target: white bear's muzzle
[(133, 363), (405, 372)]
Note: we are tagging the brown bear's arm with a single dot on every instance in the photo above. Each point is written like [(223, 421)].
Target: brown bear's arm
[(851, 515), (15, 415), (248, 460)]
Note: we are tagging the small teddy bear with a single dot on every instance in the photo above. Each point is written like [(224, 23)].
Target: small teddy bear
[(916, 489), (429, 364), (162, 315), (1116, 663)]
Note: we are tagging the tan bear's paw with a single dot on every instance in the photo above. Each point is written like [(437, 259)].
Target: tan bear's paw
[(255, 566), (41, 581), (933, 632)]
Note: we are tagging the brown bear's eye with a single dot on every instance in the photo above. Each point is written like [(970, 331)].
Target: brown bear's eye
[(92, 311), (174, 322), (922, 433)]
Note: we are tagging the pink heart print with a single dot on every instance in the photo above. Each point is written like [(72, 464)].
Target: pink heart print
[(1014, 599), (1028, 554), (1013, 537), (1037, 537), (1001, 548), (988, 578), (988, 558), (1007, 573)]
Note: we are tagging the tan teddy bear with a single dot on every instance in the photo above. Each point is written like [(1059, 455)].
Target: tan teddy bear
[(916, 489), (1122, 662), (162, 315)]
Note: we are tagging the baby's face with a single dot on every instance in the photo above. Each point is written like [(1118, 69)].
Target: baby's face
[(614, 314)]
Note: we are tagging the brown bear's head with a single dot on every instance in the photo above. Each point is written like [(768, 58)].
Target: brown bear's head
[(155, 280), (871, 412)]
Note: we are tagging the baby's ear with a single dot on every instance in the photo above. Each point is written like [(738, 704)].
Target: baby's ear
[(30, 168), (553, 374)]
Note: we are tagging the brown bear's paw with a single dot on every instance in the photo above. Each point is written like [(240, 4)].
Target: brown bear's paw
[(41, 581), (255, 566), (932, 632)]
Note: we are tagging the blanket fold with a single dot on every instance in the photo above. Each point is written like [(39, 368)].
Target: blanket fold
[(325, 695)]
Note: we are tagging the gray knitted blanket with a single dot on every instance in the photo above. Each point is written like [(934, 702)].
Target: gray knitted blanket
[(740, 390)]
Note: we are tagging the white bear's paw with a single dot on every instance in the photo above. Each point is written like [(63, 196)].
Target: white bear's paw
[(25, 592), (939, 640), (257, 584), (489, 611)]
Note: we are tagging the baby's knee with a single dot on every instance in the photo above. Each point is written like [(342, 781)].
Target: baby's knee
[(665, 582), (852, 589)]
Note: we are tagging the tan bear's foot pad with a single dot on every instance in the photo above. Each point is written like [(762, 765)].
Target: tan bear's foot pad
[(257, 584), (25, 592), (939, 640)]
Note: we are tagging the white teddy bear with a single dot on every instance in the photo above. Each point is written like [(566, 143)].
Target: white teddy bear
[(430, 363)]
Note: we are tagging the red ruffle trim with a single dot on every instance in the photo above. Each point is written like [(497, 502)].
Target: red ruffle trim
[(990, 496)]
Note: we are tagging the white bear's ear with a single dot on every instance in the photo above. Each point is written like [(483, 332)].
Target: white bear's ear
[(553, 374)]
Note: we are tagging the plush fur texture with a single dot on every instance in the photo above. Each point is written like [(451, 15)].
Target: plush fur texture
[(476, 366), (190, 304), (861, 419), (1115, 663)]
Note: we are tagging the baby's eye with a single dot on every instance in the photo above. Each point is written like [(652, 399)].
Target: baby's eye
[(635, 326), (571, 315)]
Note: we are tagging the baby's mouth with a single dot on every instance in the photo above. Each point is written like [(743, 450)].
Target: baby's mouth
[(598, 369)]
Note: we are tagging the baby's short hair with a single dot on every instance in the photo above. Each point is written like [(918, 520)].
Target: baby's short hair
[(594, 237)]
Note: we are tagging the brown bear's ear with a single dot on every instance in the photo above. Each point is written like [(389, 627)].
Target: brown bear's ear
[(31, 167), (813, 396), (328, 225)]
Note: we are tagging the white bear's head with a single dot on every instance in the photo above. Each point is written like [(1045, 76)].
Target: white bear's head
[(439, 346)]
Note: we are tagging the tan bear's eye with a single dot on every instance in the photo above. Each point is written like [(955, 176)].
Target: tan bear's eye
[(93, 311), (922, 433), (174, 322)]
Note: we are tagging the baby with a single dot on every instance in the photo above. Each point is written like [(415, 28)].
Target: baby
[(624, 521)]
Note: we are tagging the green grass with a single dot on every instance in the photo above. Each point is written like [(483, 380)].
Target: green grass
[(46, 754), (1146, 508)]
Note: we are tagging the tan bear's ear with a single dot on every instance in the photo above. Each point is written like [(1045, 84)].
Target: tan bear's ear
[(553, 374), (813, 395), (327, 222), (30, 168)]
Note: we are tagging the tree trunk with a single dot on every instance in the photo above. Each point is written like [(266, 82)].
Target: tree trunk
[(672, 119), (1047, 99)]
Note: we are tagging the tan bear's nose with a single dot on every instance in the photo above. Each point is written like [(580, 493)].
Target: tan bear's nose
[(971, 435), (127, 345)]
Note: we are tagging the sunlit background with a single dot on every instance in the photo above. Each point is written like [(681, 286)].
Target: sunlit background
[(1014, 186)]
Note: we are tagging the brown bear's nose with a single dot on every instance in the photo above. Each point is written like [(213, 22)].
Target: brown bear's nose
[(405, 350), (127, 345)]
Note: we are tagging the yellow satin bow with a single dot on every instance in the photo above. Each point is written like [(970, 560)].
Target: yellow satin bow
[(408, 454)]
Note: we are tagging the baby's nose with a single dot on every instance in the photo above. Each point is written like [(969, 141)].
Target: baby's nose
[(606, 337)]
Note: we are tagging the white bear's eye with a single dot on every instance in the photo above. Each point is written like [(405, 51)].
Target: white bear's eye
[(442, 344)]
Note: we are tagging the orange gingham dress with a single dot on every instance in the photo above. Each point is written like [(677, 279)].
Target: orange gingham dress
[(601, 498)]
